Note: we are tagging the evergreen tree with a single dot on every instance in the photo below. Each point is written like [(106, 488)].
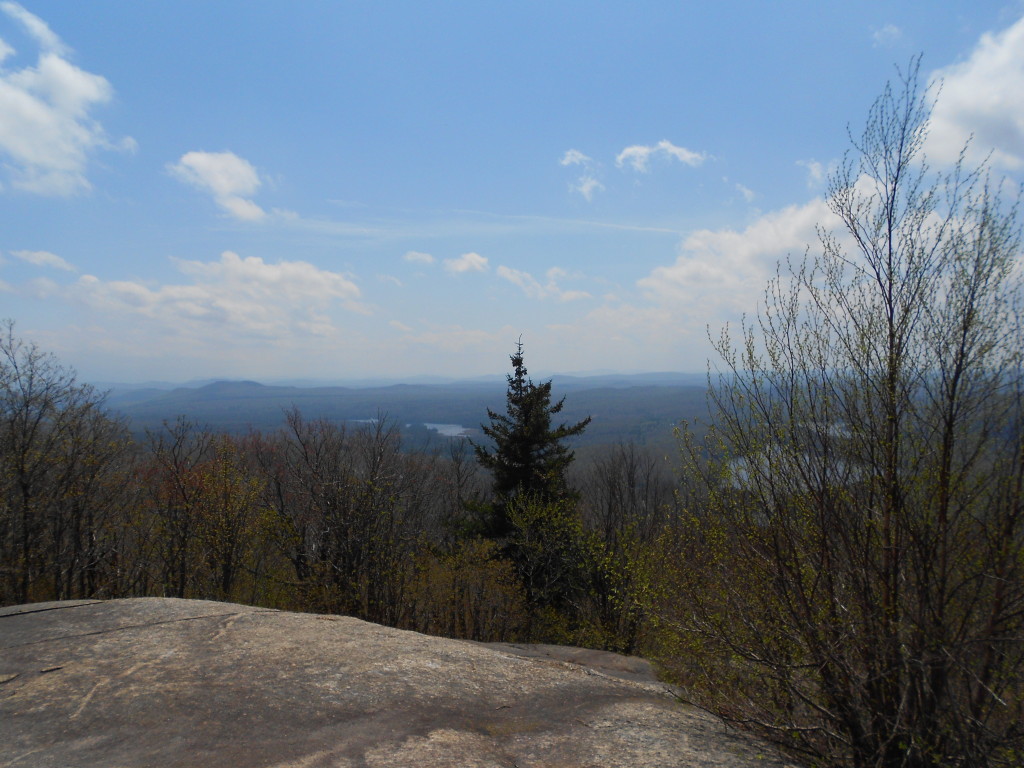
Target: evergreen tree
[(529, 457)]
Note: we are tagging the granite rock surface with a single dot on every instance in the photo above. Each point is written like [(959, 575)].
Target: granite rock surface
[(165, 682)]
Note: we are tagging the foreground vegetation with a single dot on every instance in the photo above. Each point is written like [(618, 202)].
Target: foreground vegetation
[(838, 564), (850, 578)]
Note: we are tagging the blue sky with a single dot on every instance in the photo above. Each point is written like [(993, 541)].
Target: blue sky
[(330, 190)]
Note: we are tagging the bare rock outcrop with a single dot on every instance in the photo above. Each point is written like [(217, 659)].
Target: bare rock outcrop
[(163, 682)]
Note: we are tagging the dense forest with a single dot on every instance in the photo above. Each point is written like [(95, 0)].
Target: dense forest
[(834, 561)]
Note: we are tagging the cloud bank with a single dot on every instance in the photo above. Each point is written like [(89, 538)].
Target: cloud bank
[(982, 96), (721, 273), (233, 295)]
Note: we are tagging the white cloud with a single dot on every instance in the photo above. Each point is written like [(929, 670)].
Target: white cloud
[(639, 156), (535, 290), (233, 295), (467, 262), (982, 96), (721, 273), (887, 36), (417, 257), (587, 186), (240, 208), (574, 157), (46, 131), (231, 180), (44, 259), (718, 276)]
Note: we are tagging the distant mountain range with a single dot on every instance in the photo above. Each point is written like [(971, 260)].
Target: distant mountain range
[(586, 380), (639, 407)]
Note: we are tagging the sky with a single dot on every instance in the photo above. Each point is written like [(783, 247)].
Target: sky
[(343, 190)]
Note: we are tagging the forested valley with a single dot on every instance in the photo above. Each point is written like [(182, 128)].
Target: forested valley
[(316, 516), (834, 560)]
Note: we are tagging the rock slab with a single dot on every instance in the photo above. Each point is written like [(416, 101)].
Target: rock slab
[(165, 682)]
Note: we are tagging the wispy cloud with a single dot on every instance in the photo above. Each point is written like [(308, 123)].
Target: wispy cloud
[(574, 157), (467, 262), (230, 179), (524, 280), (37, 28), (46, 129), (638, 157), (548, 224), (44, 259), (887, 36), (587, 186), (463, 224), (815, 173), (587, 183), (981, 98), (535, 290)]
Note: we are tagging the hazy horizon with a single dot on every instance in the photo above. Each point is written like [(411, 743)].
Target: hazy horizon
[(350, 191), (370, 381)]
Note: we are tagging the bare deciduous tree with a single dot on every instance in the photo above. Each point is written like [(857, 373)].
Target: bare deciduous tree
[(60, 453), (854, 586)]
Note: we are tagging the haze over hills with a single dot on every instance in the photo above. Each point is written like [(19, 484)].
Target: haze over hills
[(586, 380), (624, 407)]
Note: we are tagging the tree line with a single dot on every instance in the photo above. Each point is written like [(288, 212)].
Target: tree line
[(837, 563)]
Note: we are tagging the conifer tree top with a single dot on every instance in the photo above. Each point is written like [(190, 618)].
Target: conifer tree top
[(529, 455)]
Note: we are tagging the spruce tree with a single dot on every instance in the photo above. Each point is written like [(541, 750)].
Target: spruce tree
[(529, 457)]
